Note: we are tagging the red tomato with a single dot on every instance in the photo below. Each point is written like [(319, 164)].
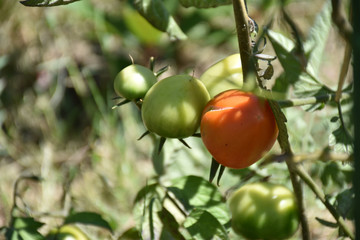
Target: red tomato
[(238, 128)]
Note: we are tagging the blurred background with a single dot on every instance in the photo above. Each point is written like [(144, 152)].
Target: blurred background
[(57, 67)]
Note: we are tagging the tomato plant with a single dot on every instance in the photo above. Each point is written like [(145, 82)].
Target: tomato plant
[(172, 107), (238, 128), (264, 210), (67, 232), (134, 81), (224, 75)]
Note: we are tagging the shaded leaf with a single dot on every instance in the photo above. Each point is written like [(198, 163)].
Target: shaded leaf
[(170, 223), (46, 3), (89, 218), (327, 223), (345, 204), (26, 223), (156, 13), (130, 234), (204, 3), (203, 225)]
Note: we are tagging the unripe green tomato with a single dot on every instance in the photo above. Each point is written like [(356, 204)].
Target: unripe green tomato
[(67, 232), (264, 211), (223, 75), (134, 81), (172, 107)]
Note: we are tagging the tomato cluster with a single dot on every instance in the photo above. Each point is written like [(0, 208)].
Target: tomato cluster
[(237, 127)]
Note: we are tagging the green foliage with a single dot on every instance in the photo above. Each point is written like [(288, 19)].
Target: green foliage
[(24, 228), (89, 218), (157, 14), (46, 3), (188, 206)]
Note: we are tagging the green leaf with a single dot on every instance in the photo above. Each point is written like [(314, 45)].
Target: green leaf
[(89, 218), (130, 234), (283, 47), (155, 12), (308, 85), (46, 3), (345, 204), (147, 203), (327, 223), (203, 225), (31, 235), (26, 223), (170, 223), (196, 192), (204, 3), (317, 39)]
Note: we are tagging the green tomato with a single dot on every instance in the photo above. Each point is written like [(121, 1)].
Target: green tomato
[(172, 108), (134, 81), (67, 232), (264, 211), (223, 75)]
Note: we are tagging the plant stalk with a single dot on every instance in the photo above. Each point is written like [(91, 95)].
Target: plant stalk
[(242, 29)]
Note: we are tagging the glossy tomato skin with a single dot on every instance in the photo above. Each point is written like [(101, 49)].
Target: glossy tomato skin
[(238, 128), (264, 211), (172, 108), (223, 75), (67, 232), (134, 81)]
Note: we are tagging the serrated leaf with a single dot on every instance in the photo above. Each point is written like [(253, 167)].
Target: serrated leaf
[(203, 225), (204, 3), (89, 218), (284, 47), (155, 12), (341, 136), (196, 192), (317, 39), (46, 3), (26, 223), (283, 137)]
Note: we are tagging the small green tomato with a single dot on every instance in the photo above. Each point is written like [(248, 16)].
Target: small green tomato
[(134, 81), (264, 211), (223, 75), (172, 107)]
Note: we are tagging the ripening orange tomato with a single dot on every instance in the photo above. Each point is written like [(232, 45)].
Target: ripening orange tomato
[(238, 128)]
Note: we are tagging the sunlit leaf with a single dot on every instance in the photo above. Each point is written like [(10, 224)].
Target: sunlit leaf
[(147, 205), (156, 13), (196, 192)]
